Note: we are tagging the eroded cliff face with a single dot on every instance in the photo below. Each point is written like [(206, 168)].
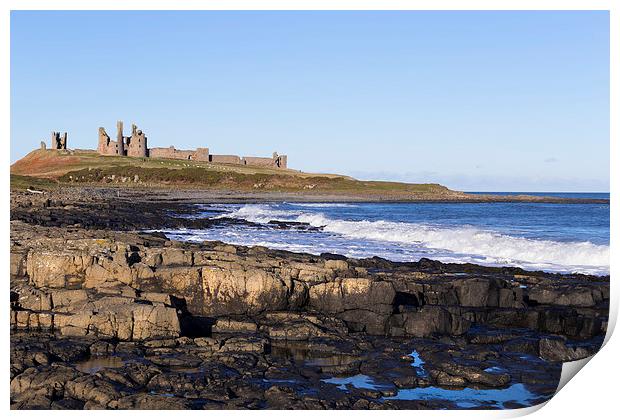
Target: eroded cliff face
[(141, 286)]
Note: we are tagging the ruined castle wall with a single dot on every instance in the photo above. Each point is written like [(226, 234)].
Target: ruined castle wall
[(105, 146), (259, 161), (183, 154), (275, 162), (201, 154), (170, 153), (226, 159), (163, 152), (111, 149)]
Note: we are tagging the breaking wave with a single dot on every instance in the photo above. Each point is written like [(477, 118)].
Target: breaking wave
[(489, 247)]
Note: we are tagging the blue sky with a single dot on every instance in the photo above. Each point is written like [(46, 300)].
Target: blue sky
[(491, 101)]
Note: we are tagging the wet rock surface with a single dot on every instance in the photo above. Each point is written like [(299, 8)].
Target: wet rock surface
[(252, 371), (106, 315)]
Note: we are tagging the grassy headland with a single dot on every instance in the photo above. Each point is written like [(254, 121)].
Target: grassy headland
[(89, 168), (45, 169)]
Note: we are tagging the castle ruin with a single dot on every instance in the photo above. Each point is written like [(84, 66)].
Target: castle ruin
[(136, 146), (59, 142)]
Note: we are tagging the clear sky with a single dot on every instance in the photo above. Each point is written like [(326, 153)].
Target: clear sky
[(489, 101)]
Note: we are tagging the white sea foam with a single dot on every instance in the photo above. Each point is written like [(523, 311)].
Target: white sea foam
[(489, 247)]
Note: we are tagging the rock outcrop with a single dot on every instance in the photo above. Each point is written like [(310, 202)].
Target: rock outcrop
[(145, 286)]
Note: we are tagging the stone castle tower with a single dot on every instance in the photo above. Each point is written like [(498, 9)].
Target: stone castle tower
[(120, 140), (58, 142), (135, 145)]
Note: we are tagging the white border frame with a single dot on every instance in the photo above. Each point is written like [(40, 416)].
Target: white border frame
[(592, 395)]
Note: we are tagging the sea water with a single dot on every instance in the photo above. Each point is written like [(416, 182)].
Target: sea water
[(536, 236)]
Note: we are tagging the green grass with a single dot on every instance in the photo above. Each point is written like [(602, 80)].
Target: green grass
[(201, 177), (21, 182)]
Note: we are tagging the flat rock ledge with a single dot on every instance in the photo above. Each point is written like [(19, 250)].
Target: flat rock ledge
[(141, 286)]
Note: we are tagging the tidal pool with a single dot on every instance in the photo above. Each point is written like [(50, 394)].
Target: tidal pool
[(357, 381), (95, 364), (470, 397), (417, 364)]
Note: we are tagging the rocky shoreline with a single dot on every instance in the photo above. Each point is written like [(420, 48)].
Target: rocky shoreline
[(194, 194), (106, 315)]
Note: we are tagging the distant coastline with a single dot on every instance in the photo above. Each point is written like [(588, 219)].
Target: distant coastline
[(579, 195)]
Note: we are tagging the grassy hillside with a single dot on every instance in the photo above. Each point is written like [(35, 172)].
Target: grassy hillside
[(55, 163), (21, 182), (88, 168)]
